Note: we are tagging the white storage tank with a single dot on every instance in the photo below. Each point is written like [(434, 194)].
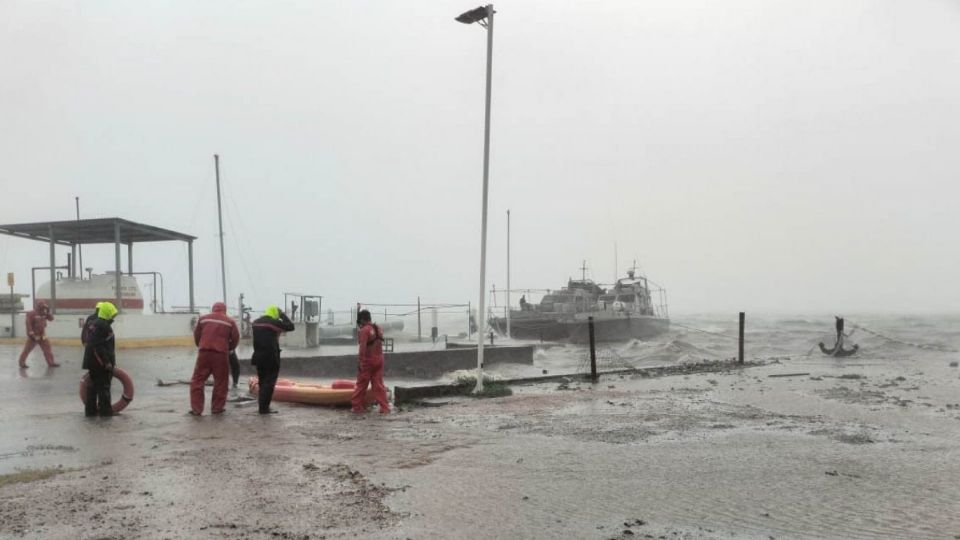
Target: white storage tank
[(75, 295)]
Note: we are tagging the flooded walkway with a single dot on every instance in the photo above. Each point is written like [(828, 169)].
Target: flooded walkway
[(858, 449)]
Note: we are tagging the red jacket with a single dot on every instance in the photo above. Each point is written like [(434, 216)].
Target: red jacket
[(216, 331), (371, 344), (37, 320)]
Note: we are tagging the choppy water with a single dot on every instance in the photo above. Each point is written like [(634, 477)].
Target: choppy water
[(863, 447), (790, 336)]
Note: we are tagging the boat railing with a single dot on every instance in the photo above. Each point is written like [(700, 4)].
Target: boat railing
[(660, 309)]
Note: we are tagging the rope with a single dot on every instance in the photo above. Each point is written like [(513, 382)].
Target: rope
[(924, 346), (422, 307), (706, 331), (239, 251), (619, 361)]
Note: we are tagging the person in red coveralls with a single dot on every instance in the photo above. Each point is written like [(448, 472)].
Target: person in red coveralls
[(215, 335), (37, 334), (370, 337)]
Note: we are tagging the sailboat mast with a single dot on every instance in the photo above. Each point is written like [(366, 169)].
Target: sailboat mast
[(508, 273), (79, 245), (223, 263)]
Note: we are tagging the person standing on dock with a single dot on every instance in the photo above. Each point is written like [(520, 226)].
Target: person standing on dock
[(234, 368), (216, 335), (266, 352), (84, 333), (99, 359), (37, 334), (370, 370)]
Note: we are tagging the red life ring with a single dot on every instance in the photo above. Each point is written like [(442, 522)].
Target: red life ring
[(125, 398)]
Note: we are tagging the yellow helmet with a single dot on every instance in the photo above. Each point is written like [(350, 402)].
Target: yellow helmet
[(273, 312), (106, 310)]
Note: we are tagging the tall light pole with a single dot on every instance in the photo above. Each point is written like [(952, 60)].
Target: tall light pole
[(483, 15)]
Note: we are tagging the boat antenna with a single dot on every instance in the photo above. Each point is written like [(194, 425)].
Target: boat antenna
[(223, 264), (583, 269), (616, 264)]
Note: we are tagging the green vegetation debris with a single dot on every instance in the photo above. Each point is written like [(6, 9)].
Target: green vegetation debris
[(491, 387), (32, 475)]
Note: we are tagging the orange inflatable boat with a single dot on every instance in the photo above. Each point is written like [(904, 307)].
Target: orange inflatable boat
[(339, 393)]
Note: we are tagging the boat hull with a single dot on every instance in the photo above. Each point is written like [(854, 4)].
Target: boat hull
[(620, 328)]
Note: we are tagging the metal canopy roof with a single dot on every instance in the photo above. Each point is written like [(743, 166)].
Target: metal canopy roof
[(93, 231)]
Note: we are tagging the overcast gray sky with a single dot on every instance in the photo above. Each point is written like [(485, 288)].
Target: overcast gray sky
[(787, 156)]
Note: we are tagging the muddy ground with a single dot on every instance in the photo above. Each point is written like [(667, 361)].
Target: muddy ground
[(852, 449)]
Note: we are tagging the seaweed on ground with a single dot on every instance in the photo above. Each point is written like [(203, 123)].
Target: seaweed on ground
[(30, 475), (491, 387)]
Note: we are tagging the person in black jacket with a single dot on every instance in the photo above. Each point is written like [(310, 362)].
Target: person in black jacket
[(86, 325), (266, 352), (99, 359)]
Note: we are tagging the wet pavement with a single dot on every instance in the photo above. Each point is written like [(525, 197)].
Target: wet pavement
[(863, 448)]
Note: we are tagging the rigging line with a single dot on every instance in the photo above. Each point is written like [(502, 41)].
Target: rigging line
[(199, 202), (422, 306), (240, 253), (414, 312), (231, 232), (246, 270), (239, 227), (250, 263), (245, 233), (925, 346), (672, 323)]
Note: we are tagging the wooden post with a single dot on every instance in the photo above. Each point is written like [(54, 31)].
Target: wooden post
[(593, 351), (743, 317)]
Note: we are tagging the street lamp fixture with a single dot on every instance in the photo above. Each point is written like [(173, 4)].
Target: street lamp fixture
[(484, 17), (474, 15)]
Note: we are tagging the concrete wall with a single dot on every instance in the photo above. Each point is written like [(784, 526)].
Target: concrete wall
[(131, 329), (420, 364)]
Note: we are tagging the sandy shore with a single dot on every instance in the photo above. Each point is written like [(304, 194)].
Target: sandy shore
[(851, 450)]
